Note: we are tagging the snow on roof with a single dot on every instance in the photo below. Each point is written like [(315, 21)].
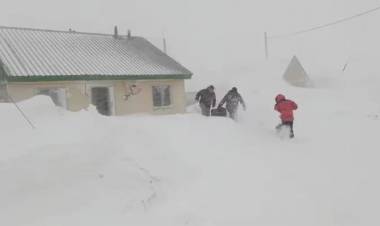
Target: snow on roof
[(37, 53)]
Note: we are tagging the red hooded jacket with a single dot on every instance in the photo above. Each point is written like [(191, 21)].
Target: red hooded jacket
[(285, 107)]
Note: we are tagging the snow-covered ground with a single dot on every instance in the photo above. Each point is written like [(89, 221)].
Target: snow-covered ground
[(78, 169)]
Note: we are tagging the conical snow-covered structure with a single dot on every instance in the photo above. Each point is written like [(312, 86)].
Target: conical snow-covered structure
[(296, 75)]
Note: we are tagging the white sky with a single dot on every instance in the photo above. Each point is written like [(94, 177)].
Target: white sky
[(216, 35)]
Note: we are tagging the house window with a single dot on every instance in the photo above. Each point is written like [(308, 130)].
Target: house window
[(161, 96), (58, 95)]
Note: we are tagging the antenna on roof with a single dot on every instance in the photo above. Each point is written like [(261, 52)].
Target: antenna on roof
[(164, 43), (115, 32)]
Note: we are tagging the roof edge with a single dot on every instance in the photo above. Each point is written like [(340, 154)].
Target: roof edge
[(94, 77), (59, 31)]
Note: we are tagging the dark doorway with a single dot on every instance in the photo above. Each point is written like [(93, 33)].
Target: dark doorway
[(100, 97)]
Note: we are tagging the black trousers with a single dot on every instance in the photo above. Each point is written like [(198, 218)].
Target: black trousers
[(205, 109), (288, 125), (232, 113)]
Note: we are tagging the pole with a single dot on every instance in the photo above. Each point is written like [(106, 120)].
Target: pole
[(345, 65), (266, 45), (3, 82), (22, 113)]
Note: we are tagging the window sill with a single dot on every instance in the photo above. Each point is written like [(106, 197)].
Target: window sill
[(162, 108)]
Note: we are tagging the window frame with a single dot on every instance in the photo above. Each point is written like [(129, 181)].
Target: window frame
[(61, 92), (163, 103)]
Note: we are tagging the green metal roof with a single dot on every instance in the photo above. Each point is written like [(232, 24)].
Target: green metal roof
[(46, 55)]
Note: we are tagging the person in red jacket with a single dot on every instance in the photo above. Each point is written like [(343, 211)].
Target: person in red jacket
[(286, 108)]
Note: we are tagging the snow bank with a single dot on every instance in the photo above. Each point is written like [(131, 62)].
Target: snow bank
[(86, 169)]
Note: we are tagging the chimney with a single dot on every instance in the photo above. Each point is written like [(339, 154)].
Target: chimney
[(115, 32), (129, 34)]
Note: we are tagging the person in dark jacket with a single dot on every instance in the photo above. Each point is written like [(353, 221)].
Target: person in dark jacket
[(206, 98), (232, 100), (286, 108)]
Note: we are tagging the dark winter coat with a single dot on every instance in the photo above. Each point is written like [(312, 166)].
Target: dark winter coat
[(286, 108), (232, 100), (206, 97)]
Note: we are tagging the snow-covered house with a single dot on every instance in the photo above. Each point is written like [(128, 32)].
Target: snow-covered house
[(118, 74)]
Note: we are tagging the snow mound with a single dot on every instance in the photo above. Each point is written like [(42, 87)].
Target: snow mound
[(86, 169)]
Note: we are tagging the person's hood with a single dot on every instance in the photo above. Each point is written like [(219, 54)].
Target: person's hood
[(279, 98)]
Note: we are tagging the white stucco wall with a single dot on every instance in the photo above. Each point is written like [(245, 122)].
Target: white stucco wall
[(78, 94)]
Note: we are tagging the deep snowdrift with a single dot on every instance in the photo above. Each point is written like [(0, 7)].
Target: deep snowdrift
[(85, 169)]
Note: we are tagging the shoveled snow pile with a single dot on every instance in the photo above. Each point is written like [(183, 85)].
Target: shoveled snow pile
[(86, 169)]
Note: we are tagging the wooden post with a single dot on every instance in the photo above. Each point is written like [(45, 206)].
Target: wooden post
[(266, 45)]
